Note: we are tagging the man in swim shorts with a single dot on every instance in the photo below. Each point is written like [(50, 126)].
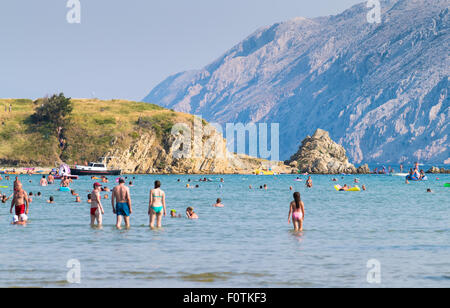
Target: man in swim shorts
[(20, 202), (121, 204), (96, 206)]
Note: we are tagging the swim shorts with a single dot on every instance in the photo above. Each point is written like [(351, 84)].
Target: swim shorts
[(122, 209), (20, 209)]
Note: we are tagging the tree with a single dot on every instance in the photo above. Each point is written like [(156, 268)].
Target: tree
[(53, 111)]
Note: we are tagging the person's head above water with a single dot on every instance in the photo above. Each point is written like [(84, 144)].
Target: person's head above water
[(157, 184), (121, 181), (219, 200)]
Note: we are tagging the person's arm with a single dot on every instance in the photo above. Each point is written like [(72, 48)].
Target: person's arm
[(290, 213), (303, 209), (129, 200), (113, 198), (164, 202), (13, 202), (26, 202), (150, 202)]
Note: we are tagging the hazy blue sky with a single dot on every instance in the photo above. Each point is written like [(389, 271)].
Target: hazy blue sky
[(123, 48)]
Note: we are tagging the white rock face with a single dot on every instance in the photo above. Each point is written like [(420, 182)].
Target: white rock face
[(381, 90)]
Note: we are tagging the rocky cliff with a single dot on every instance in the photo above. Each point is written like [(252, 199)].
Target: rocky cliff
[(381, 90), (321, 155)]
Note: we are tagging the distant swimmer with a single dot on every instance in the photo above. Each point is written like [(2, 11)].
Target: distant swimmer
[(89, 198), (121, 204), (157, 205), (309, 182), (218, 203), (190, 213), (344, 188), (364, 188), (5, 199), (50, 179), (297, 210), (43, 181), (356, 181), (51, 200), (173, 214), (96, 206), (20, 203)]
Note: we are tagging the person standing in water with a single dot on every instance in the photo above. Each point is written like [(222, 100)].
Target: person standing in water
[(20, 203), (309, 182), (297, 210), (96, 206), (43, 181), (157, 205), (121, 204)]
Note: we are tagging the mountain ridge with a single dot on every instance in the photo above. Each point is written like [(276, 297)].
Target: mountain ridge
[(381, 90)]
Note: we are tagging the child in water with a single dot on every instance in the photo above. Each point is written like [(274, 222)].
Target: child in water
[(297, 210)]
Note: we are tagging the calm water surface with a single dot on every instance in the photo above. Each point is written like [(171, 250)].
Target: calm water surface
[(249, 243)]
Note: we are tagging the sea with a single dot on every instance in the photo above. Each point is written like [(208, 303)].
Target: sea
[(391, 235)]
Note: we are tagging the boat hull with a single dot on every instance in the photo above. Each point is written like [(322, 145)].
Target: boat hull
[(93, 172)]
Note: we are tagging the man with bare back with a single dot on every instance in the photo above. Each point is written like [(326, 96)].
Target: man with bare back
[(20, 203), (121, 203)]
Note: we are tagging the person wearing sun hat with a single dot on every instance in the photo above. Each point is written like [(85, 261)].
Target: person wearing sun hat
[(173, 214)]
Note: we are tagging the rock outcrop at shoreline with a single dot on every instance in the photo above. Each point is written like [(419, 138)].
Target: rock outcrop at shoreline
[(436, 170), (206, 155), (321, 155)]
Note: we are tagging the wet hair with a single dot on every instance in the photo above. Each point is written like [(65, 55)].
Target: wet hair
[(297, 199), (157, 184), (89, 196), (51, 199), (121, 181), (219, 200)]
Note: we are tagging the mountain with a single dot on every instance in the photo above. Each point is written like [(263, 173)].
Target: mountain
[(381, 90)]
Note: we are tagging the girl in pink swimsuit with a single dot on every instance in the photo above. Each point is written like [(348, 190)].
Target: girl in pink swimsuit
[(297, 210)]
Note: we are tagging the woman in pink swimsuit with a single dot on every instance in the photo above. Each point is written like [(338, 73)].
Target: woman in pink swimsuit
[(297, 210)]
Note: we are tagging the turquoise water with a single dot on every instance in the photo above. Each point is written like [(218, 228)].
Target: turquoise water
[(249, 243)]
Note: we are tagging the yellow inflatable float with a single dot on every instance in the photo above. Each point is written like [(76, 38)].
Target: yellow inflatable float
[(339, 187)]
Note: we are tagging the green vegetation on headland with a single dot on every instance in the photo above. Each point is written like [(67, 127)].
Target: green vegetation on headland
[(56, 129)]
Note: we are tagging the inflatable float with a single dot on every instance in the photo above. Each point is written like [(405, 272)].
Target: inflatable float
[(447, 185), (4, 186), (356, 188), (415, 179), (66, 189)]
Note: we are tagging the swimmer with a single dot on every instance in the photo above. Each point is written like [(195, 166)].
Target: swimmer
[(297, 210), (51, 200), (4, 198), (121, 204), (43, 181), (157, 205), (89, 198), (106, 197), (291, 188), (356, 181), (29, 197), (309, 182), (96, 206), (20, 203), (78, 199), (130, 184), (50, 179), (429, 190), (265, 187), (190, 213), (344, 188), (73, 193), (364, 188), (173, 214), (218, 203)]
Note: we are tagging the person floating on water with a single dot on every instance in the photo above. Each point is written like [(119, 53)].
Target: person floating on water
[(96, 206), (121, 204), (297, 210), (190, 213), (20, 204), (157, 205)]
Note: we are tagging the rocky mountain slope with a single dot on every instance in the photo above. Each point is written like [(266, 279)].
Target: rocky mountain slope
[(381, 90)]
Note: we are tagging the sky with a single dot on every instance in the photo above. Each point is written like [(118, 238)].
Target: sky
[(121, 49)]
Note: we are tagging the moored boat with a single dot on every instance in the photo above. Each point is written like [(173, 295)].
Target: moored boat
[(93, 169)]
